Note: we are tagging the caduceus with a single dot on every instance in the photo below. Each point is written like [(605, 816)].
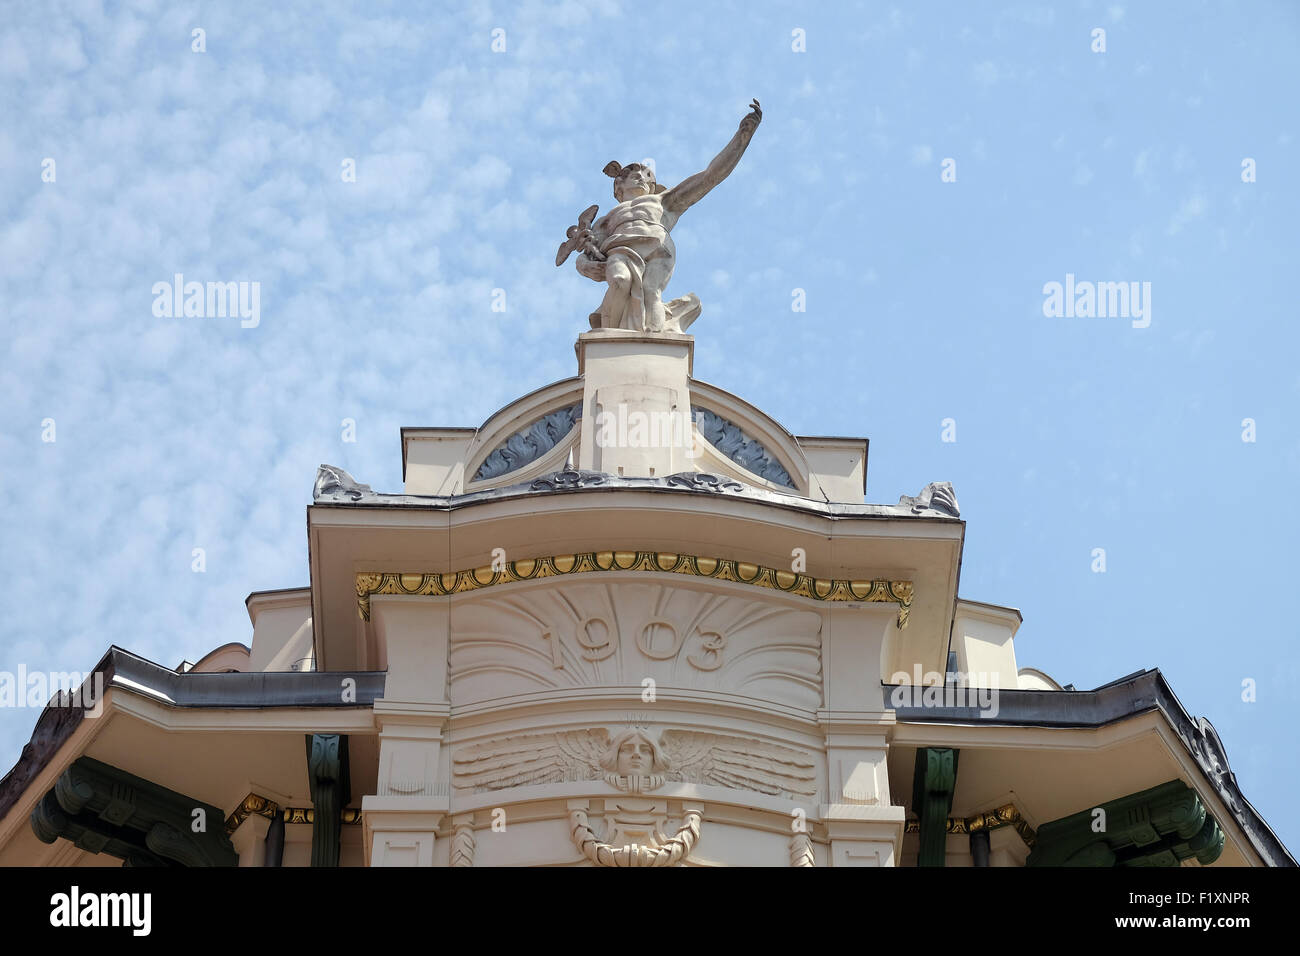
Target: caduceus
[(580, 238), (630, 249)]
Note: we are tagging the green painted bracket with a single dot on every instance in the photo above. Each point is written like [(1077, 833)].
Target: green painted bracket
[(933, 781), (329, 778), (1161, 826), (102, 809)]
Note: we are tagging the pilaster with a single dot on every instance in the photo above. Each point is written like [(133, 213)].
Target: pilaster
[(864, 829)]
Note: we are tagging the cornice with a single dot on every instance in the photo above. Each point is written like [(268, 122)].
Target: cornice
[(360, 497), (369, 583)]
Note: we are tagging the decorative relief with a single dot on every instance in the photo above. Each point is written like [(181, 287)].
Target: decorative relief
[(635, 761), (801, 851), (1208, 751), (333, 482), (728, 438), (936, 496), (658, 850), (720, 569), (257, 805), (624, 631), (461, 852), (569, 479), (527, 445), (702, 481)]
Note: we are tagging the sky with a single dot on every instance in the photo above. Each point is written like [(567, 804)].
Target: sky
[(922, 172)]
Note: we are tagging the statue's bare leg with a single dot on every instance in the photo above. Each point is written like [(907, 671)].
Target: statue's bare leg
[(657, 273), (618, 276)]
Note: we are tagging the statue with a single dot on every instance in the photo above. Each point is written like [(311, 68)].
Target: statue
[(630, 248)]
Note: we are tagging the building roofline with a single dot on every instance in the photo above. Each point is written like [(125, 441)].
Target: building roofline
[(131, 673), (1138, 693), (573, 481)]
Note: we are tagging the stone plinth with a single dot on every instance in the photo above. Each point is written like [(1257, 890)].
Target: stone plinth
[(636, 406)]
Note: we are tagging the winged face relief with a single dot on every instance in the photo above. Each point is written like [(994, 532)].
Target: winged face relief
[(635, 760)]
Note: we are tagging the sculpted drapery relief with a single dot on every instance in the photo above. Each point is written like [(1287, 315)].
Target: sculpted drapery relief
[(628, 632)]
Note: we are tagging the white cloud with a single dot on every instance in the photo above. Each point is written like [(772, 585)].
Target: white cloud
[(1189, 210)]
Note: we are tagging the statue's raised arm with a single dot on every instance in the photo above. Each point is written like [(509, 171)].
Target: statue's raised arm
[(694, 188)]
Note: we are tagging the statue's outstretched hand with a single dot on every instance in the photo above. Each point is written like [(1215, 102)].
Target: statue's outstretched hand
[(751, 121)]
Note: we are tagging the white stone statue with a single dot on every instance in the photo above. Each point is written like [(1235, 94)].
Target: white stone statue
[(630, 248)]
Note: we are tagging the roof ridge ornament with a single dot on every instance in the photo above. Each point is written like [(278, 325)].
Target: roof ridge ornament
[(630, 248), (936, 496), (334, 482)]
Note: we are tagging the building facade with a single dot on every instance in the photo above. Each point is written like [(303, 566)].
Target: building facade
[(629, 620)]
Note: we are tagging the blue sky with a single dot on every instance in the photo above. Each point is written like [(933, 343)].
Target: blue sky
[(924, 297)]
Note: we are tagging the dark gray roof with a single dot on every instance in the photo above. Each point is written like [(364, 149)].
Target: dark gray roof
[(1138, 693), (218, 691)]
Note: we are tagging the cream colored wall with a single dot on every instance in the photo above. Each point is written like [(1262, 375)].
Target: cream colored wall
[(435, 460), (282, 633), (490, 692), (983, 636), (836, 467), (226, 658), (1029, 678)]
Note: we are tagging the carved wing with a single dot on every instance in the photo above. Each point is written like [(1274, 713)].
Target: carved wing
[(738, 763), (529, 760)]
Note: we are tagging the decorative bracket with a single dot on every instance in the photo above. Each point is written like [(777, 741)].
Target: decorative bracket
[(328, 778), (933, 783)]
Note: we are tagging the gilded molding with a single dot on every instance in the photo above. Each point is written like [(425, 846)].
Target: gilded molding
[(256, 805), (1006, 816), (252, 805), (720, 569)]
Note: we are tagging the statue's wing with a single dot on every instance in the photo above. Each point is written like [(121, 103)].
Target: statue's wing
[(515, 762), (688, 754), (581, 750), (741, 764)]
